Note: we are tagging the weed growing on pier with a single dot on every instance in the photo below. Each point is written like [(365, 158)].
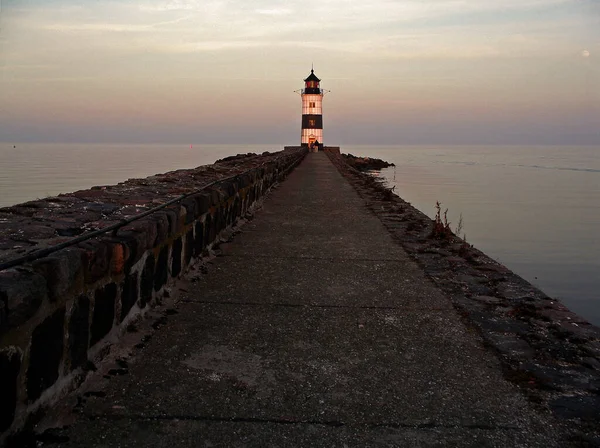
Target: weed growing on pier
[(441, 228), (459, 226), (463, 250)]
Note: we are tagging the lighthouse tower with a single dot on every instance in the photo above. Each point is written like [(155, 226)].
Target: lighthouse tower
[(312, 112)]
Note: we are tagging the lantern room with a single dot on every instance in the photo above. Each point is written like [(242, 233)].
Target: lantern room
[(312, 84)]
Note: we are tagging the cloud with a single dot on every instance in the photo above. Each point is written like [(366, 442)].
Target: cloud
[(212, 45), (111, 27), (96, 27), (275, 11), (173, 5)]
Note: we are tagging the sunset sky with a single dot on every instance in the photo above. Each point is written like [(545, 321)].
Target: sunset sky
[(225, 71)]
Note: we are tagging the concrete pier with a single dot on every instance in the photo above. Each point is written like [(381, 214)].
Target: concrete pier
[(313, 328)]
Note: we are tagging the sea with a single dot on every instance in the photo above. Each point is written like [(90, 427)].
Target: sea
[(535, 209)]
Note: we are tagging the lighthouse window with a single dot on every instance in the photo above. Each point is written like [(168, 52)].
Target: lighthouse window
[(311, 122), (311, 104)]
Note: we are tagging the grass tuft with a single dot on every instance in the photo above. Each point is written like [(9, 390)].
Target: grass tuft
[(441, 227)]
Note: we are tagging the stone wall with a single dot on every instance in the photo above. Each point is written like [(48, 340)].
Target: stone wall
[(59, 313)]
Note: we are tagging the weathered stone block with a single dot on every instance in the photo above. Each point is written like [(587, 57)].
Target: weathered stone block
[(203, 201), (10, 365), (21, 292), (79, 332), (190, 210), (231, 213), (96, 260), (104, 312), (253, 175), (3, 315), (176, 257), (129, 294), (216, 196), (45, 354), (145, 230), (219, 220), (162, 227), (182, 218), (226, 211), (118, 258), (243, 181), (60, 271), (237, 209), (147, 281), (172, 213), (244, 203), (134, 243), (199, 238), (189, 247), (228, 188), (161, 273), (207, 229)]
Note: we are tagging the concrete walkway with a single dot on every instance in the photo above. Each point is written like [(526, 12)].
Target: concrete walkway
[(313, 329)]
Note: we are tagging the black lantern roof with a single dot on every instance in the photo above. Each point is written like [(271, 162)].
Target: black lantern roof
[(312, 77)]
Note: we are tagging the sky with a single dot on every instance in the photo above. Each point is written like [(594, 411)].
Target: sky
[(225, 71)]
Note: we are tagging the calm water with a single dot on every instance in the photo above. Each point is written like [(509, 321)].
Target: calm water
[(32, 171), (535, 209)]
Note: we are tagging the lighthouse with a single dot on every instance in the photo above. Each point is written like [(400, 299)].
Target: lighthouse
[(312, 112)]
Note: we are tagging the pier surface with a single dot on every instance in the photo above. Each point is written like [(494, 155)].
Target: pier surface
[(314, 328)]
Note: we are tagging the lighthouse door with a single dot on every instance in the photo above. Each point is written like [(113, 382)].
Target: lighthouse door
[(311, 141)]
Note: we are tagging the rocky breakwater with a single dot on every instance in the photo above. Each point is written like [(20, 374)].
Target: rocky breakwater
[(366, 163), (77, 269), (551, 354)]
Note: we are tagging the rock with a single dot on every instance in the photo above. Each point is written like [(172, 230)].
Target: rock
[(366, 163), (161, 273), (45, 354), (238, 157), (577, 406), (104, 312), (118, 258), (21, 292), (489, 300), (176, 257), (10, 365), (79, 332), (129, 294), (189, 246), (60, 271), (147, 281), (96, 259)]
